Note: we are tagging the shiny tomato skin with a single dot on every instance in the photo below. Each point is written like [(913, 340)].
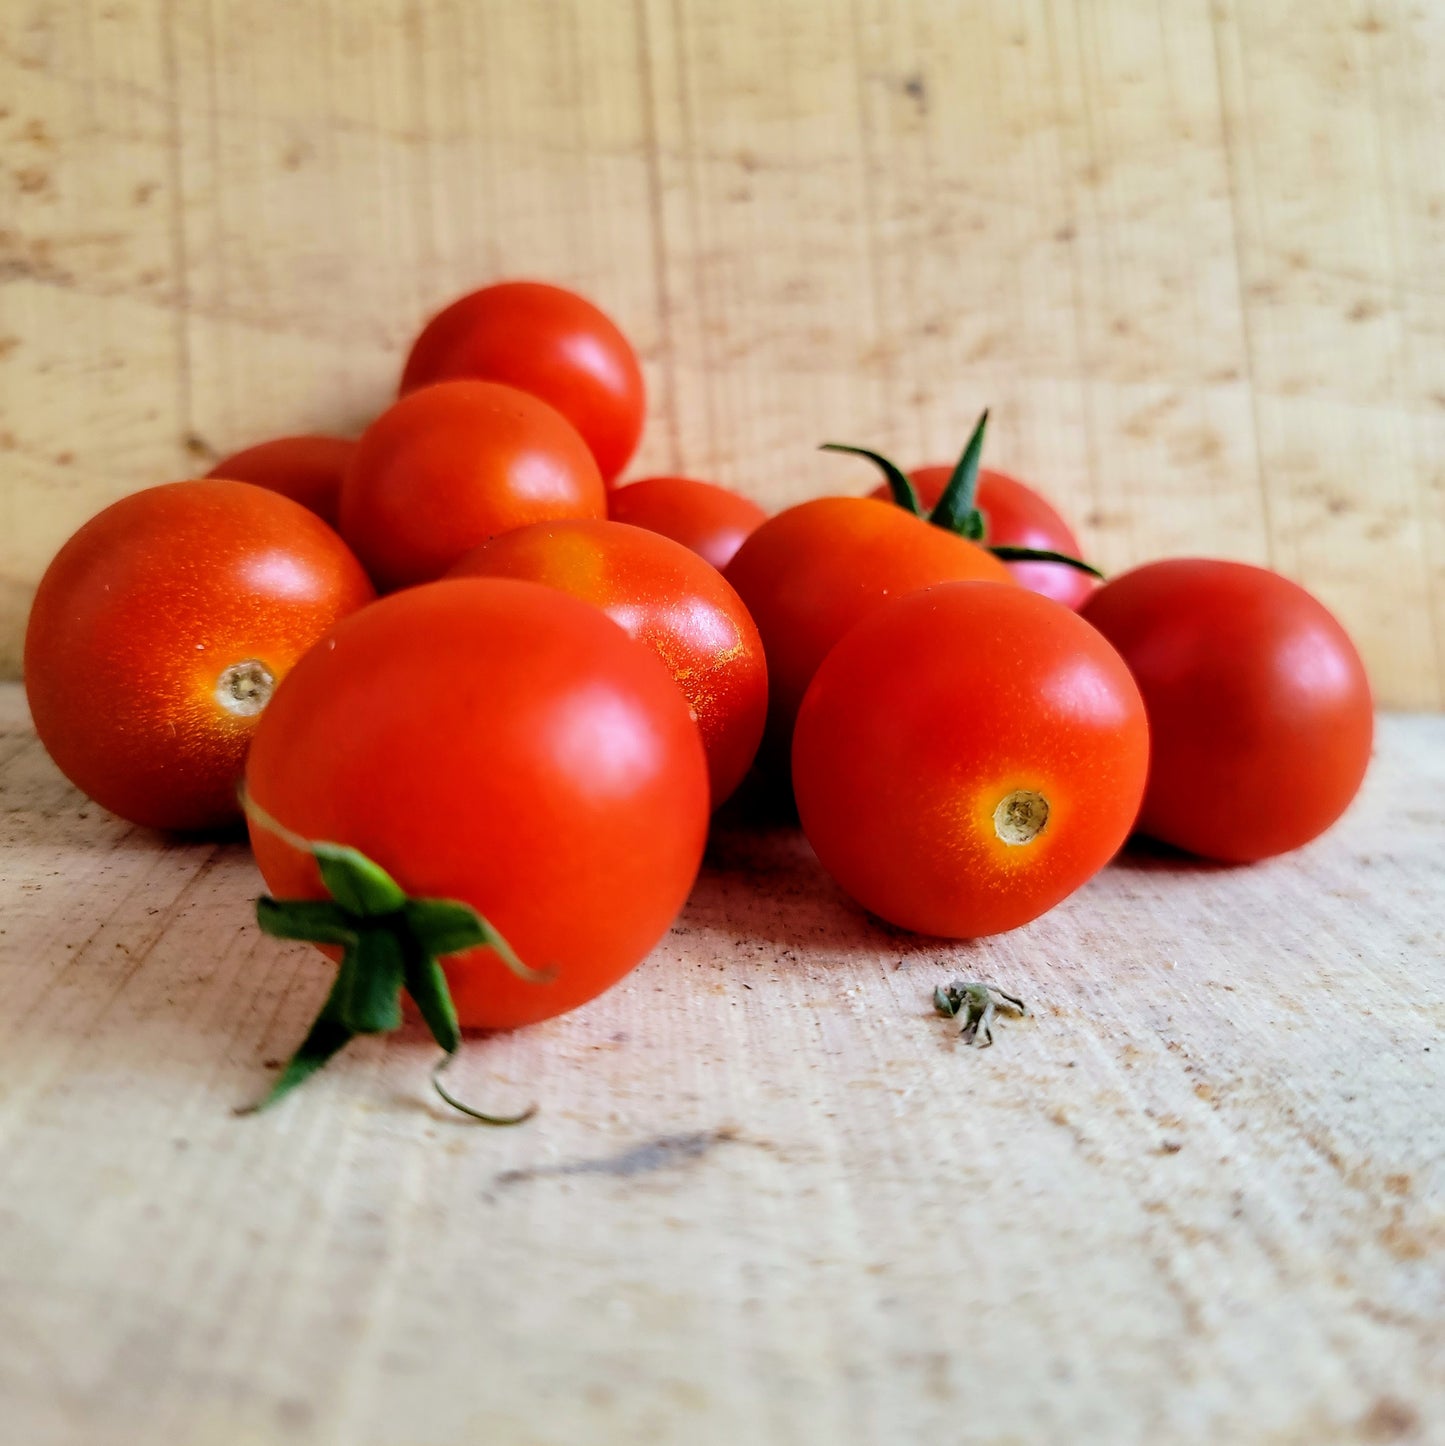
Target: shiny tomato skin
[(453, 464), (713, 521), (138, 622), (1018, 516), (809, 573), (931, 733), (663, 595), (1258, 703), (308, 469), (547, 341), (506, 745)]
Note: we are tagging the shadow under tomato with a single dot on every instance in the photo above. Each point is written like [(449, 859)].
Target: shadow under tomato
[(1142, 854), (763, 799), (762, 885)]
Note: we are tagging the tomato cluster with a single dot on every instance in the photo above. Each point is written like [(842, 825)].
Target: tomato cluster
[(488, 790)]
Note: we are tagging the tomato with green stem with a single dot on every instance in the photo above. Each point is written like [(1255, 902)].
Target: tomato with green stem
[(1015, 515), (1258, 704), (666, 596), (549, 342), (967, 757), (499, 745), (159, 633), (1016, 522)]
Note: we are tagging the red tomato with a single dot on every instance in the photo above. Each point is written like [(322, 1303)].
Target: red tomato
[(666, 597), (546, 341), (1258, 705), (810, 573), (449, 466), (1017, 516), (306, 469), (160, 631), (711, 520), (967, 757), (504, 745)]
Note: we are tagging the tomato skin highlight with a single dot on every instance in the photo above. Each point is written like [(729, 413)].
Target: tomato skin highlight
[(453, 464), (139, 617), (810, 573), (713, 521), (502, 744), (667, 597), (1259, 705), (308, 469), (933, 714), (549, 342), (1018, 516)]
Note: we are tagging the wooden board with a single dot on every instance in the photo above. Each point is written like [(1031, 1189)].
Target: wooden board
[(1190, 253), (1199, 1196)]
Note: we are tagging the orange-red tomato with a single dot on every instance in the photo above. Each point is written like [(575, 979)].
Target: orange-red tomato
[(451, 465), (546, 341), (501, 744), (667, 597), (810, 573), (1016, 516), (967, 757), (307, 469), (713, 521), (1258, 704), (159, 632)]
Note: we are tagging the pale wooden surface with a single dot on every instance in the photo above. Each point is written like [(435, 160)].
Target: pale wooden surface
[(1190, 252), (1198, 1197)]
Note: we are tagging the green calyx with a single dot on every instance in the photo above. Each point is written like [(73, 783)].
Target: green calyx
[(390, 942), (977, 1003), (957, 509)]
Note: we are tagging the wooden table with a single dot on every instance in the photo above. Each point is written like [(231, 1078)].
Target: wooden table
[(1199, 1196)]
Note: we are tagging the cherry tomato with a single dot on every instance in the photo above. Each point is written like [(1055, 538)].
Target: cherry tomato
[(307, 469), (713, 521), (501, 744), (1258, 705), (451, 465), (546, 341), (160, 631), (666, 597), (1017, 516), (967, 757), (810, 573)]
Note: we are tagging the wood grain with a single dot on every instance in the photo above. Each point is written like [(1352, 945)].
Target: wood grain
[(1190, 253), (770, 1197)]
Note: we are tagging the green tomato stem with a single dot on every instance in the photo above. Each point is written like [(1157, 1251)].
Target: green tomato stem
[(391, 943), (899, 483), (956, 510)]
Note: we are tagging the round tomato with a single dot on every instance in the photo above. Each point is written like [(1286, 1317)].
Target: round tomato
[(160, 631), (666, 597), (713, 521), (967, 757), (307, 469), (506, 746), (546, 341), (808, 574), (451, 465), (1259, 706), (1015, 515)]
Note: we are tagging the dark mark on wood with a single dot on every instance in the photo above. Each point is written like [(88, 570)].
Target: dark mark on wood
[(666, 1152)]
